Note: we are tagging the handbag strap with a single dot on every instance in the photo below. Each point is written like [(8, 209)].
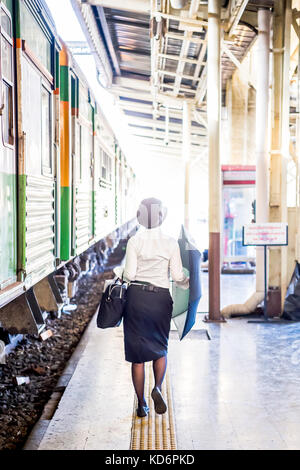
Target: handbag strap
[(112, 287)]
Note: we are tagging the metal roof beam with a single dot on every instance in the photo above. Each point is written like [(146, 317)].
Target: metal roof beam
[(195, 24), (132, 83), (89, 26), (139, 6), (148, 108), (184, 51), (195, 130), (237, 10), (180, 37), (172, 146), (178, 58), (235, 61), (156, 133), (108, 39), (174, 74), (130, 93)]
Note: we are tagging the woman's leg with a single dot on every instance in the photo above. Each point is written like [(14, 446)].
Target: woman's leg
[(159, 369), (138, 379)]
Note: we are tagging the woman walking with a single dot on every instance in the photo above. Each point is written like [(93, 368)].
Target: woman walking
[(151, 256)]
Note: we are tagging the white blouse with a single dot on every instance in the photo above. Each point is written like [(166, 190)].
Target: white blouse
[(152, 256)]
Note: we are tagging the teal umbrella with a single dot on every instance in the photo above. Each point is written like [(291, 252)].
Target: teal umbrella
[(186, 300)]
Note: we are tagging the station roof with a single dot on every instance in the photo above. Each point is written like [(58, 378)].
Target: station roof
[(152, 57)]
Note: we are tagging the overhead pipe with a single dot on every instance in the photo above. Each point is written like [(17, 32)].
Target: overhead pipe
[(186, 157), (138, 6), (177, 4)]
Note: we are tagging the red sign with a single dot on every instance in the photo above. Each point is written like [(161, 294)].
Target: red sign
[(238, 174)]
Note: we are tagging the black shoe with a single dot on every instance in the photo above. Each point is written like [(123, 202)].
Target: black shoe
[(159, 403), (142, 411)]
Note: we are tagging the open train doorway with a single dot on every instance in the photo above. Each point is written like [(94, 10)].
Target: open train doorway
[(238, 187)]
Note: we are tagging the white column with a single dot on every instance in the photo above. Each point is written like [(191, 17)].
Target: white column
[(262, 128), (186, 154), (214, 120)]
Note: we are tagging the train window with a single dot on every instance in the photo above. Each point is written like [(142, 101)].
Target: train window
[(80, 152), (35, 37), (106, 167), (84, 106), (9, 5), (46, 131), (109, 170), (6, 50), (7, 116), (103, 165), (7, 76), (86, 151), (5, 23)]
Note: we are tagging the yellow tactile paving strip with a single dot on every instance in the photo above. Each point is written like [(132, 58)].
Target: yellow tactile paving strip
[(154, 432)]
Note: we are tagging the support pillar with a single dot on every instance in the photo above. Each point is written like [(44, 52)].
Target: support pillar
[(279, 145), (297, 249), (214, 120), (262, 132), (186, 154), (239, 115)]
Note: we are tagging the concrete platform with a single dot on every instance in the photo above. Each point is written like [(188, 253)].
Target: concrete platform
[(240, 390)]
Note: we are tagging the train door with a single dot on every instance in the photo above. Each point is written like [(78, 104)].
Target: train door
[(84, 178), (8, 203), (37, 172), (238, 198)]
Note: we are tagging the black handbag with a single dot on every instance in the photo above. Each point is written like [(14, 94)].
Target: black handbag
[(112, 305)]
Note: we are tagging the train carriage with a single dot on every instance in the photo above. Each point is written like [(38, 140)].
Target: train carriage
[(8, 196), (104, 189), (36, 68), (62, 173), (83, 177), (27, 86)]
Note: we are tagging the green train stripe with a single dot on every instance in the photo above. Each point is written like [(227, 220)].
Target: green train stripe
[(22, 225), (64, 83), (17, 19), (65, 232), (74, 93)]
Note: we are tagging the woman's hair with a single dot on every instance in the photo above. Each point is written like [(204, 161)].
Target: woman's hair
[(151, 213)]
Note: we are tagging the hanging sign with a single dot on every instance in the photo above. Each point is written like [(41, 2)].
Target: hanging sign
[(238, 175), (267, 234)]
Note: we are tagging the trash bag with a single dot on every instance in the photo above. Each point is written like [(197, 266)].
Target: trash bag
[(291, 309)]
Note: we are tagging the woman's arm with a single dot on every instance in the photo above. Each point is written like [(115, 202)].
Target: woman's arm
[(176, 269), (130, 262)]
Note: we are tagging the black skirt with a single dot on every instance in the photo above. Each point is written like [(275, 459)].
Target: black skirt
[(146, 322)]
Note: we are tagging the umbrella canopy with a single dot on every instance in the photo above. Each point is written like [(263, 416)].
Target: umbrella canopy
[(186, 300)]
